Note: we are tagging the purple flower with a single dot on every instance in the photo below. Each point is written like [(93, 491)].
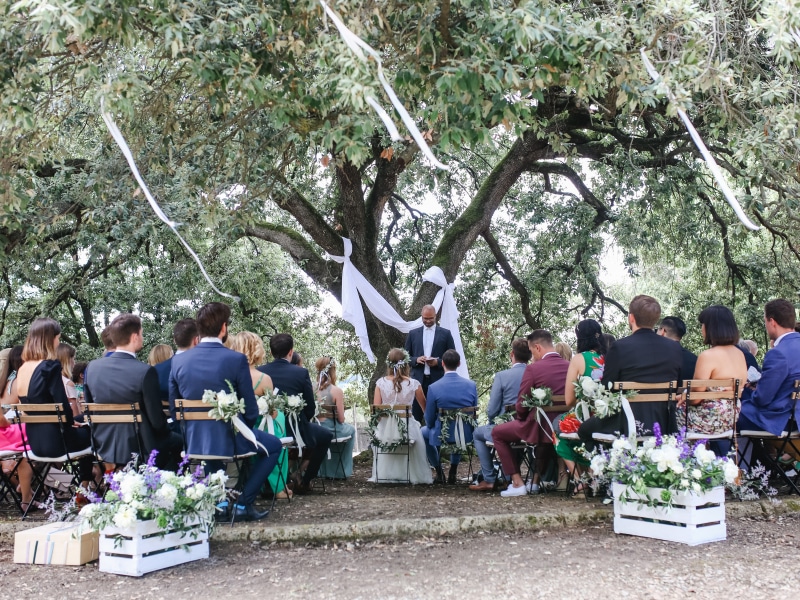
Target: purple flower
[(183, 465), (151, 462), (657, 434)]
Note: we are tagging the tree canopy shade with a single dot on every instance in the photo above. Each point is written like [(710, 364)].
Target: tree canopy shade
[(249, 119)]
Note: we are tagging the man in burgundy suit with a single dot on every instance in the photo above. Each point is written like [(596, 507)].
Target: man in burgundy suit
[(547, 370)]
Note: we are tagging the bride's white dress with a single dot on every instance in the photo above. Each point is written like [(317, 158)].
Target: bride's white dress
[(398, 466)]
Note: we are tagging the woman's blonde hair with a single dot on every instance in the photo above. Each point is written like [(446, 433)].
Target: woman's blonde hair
[(159, 353), (66, 356), (326, 367), (398, 365), (41, 341), (249, 344), (564, 350)]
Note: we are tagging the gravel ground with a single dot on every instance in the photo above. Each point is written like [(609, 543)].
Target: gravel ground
[(759, 557)]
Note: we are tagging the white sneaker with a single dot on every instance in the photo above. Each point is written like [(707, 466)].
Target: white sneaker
[(533, 488), (514, 491)]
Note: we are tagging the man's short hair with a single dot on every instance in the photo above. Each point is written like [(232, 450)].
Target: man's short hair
[(105, 337), (123, 327), (521, 350), (674, 326), (782, 312), (451, 359), (211, 318), (184, 332), (280, 345), (645, 310), (541, 337)]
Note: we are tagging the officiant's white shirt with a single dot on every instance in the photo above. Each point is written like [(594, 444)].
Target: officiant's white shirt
[(428, 334)]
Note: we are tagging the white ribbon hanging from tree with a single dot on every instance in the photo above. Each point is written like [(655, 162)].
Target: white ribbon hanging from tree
[(354, 284), (712, 164), (126, 152)]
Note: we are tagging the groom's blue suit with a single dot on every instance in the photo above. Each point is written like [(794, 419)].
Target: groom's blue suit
[(210, 366)]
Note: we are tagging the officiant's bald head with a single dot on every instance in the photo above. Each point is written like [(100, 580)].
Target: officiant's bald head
[(429, 315)]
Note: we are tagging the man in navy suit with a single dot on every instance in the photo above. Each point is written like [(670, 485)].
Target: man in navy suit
[(451, 391), (426, 345), (770, 406), (121, 379), (184, 334), (294, 380), (212, 366)]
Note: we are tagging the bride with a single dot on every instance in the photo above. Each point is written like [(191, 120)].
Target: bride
[(398, 388)]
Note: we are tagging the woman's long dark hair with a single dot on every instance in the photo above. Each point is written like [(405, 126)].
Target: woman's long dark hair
[(590, 337)]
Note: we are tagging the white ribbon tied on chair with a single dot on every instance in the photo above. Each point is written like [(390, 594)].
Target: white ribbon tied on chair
[(458, 435), (296, 428), (247, 433), (354, 284), (541, 419), (626, 408)]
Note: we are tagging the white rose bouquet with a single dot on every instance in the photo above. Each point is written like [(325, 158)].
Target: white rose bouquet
[(224, 405), (542, 396)]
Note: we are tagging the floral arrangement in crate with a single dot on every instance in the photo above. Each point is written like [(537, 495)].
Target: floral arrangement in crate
[(175, 501), (668, 462)]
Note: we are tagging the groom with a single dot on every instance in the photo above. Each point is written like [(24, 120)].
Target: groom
[(426, 345), (212, 366)]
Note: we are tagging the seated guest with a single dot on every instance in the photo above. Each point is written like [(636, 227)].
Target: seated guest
[(39, 382), (12, 435), (750, 349), (158, 354), (297, 359), (66, 356), (643, 357), (121, 379), (505, 390), (77, 378), (329, 394), (548, 370), (674, 328), (770, 406), (588, 362), (184, 334), (564, 351), (8, 393), (722, 360), (212, 366), (449, 392), (294, 380), (108, 344), (250, 344)]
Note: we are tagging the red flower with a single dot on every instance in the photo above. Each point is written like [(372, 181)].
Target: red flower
[(569, 424)]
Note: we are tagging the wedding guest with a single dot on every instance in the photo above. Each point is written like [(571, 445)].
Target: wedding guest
[(293, 380), (108, 344), (329, 394), (548, 370), (505, 389), (426, 345), (159, 353), (674, 328), (449, 392), (564, 351), (646, 357), (39, 382), (12, 437), (66, 356), (770, 406), (610, 339), (588, 362), (397, 387), (722, 360), (749, 348), (251, 345), (297, 359), (8, 393), (184, 334)]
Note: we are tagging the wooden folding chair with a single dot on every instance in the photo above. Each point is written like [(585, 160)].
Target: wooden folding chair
[(329, 411), (664, 392), (49, 414), (726, 390), (404, 413), (788, 438), (100, 416)]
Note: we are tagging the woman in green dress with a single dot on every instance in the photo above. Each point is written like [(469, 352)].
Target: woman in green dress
[(251, 345), (588, 361)]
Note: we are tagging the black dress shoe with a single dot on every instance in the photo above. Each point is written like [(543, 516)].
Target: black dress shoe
[(452, 474), (439, 477), (248, 513)]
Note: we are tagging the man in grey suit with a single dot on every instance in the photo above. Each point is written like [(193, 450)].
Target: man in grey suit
[(120, 378), (505, 390)]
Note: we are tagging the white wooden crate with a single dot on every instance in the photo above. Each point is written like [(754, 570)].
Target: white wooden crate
[(142, 549), (693, 519)]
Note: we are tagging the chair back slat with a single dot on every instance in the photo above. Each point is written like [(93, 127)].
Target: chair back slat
[(40, 413), (402, 410)]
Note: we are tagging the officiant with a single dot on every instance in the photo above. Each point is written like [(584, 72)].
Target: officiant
[(426, 345)]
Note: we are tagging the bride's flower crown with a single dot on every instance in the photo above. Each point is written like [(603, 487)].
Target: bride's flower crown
[(394, 365)]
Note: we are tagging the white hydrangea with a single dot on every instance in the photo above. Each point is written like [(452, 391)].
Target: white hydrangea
[(196, 492), (125, 517), (667, 458), (621, 444), (166, 495), (704, 456), (132, 486), (730, 471)]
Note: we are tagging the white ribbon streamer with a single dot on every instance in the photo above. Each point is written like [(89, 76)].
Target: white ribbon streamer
[(541, 415), (126, 151), (626, 408), (247, 433), (355, 284), (459, 436), (712, 164), (356, 45), (296, 428)]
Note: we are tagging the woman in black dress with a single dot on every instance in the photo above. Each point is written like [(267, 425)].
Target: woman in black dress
[(39, 382)]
